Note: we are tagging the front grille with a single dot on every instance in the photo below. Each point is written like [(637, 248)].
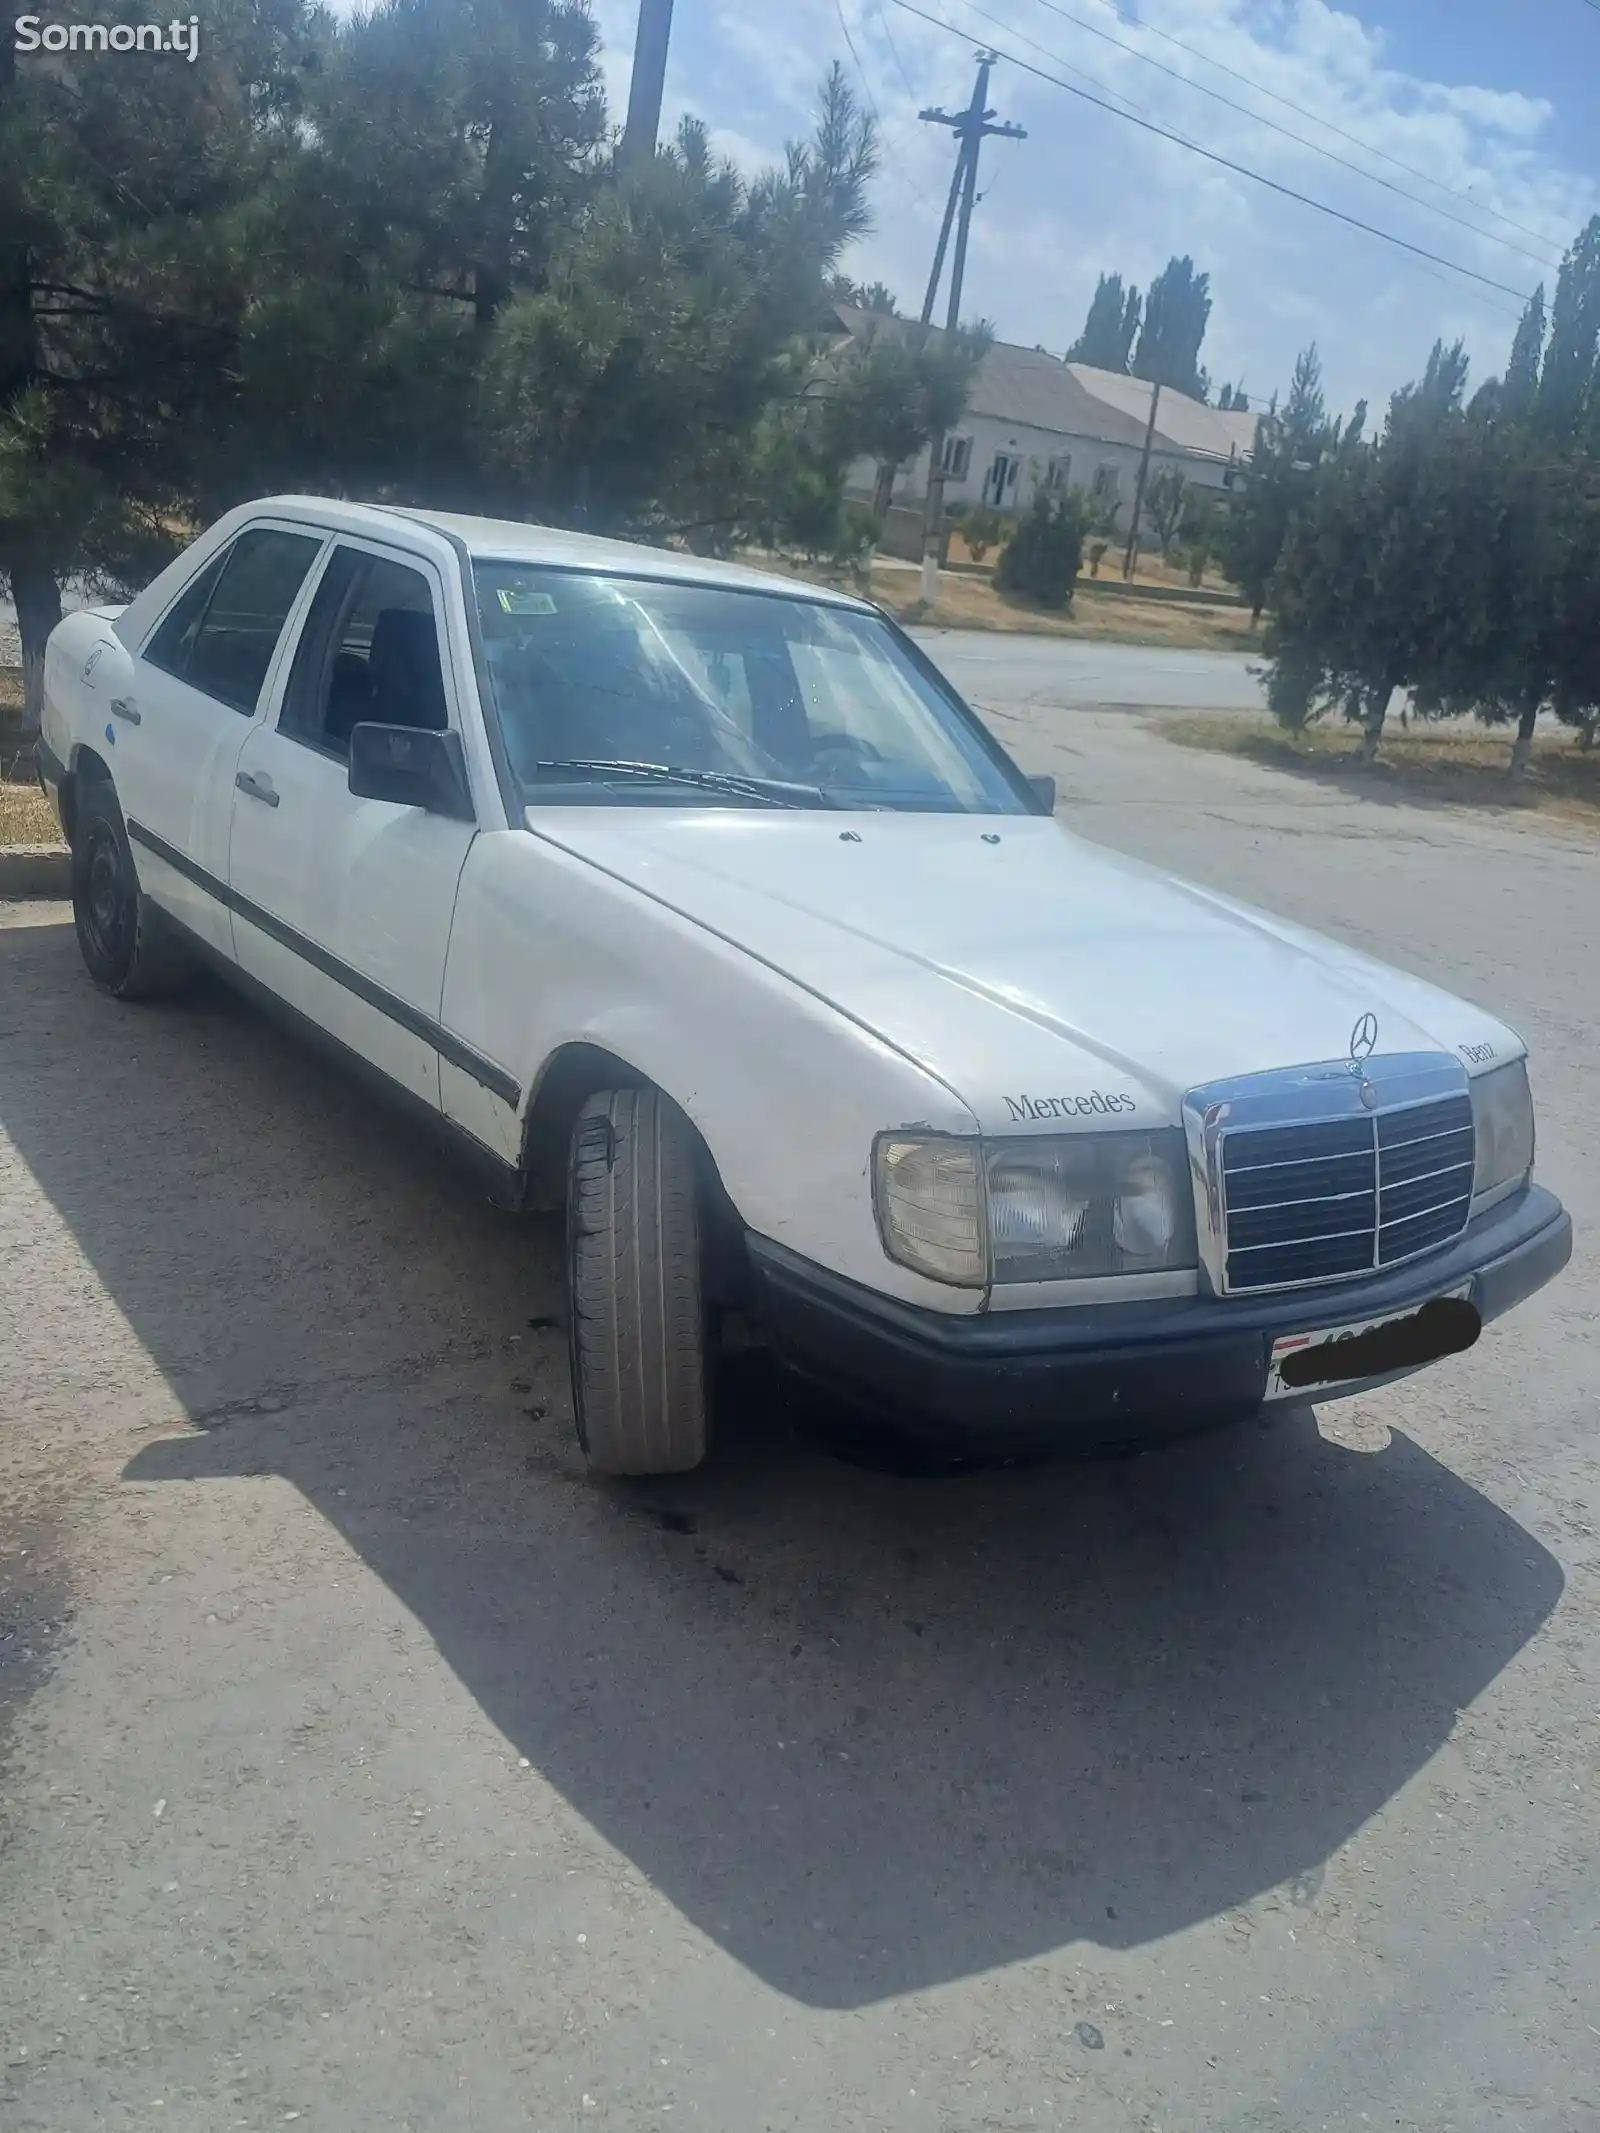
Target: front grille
[(1333, 1197)]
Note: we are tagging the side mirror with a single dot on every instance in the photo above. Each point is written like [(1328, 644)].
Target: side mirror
[(413, 767), (1044, 791)]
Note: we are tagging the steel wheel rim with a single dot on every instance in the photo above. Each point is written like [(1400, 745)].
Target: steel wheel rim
[(106, 914)]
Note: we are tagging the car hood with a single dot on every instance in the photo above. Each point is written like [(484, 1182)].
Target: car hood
[(1044, 979)]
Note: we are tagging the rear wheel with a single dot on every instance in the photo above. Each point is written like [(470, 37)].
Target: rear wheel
[(636, 1303), (126, 945)]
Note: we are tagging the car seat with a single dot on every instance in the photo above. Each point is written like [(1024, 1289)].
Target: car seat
[(403, 669)]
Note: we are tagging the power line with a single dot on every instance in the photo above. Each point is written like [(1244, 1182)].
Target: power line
[(1355, 140), (900, 65), (872, 104), (1260, 119), (1242, 170)]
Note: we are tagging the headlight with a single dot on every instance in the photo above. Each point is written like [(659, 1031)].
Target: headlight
[(1089, 1203), (1049, 1208), (1502, 1120), (930, 1207)]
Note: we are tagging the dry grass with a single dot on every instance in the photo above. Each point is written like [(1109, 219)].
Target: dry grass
[(1148, 567), (1465, 766), (26, 816), (974, 604)]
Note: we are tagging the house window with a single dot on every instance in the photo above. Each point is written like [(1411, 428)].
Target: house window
[(957, 458), (1106, 481), (1057, 474)]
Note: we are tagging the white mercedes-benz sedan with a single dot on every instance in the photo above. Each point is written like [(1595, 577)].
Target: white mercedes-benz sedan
[(698, 898)]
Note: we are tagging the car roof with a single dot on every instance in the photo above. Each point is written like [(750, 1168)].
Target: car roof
[(521, 541)]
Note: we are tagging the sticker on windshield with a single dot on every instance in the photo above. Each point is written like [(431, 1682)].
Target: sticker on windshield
[(516, 600)]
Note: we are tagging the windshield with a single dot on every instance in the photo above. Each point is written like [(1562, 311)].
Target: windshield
[(751, 698)]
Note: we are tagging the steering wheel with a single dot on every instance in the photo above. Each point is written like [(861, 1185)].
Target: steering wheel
[(849, 747)]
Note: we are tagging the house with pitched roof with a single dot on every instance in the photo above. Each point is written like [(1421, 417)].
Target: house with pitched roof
[(1034, 421)]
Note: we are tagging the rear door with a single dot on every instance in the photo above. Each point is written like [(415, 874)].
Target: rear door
[(174, 737), (342, 906)]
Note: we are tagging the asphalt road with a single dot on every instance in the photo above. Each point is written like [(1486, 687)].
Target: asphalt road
[(1046, 672), (369, 1768)]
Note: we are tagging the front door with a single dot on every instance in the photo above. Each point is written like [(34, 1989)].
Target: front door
[(342, 906), (1000, 487), (173, 742)]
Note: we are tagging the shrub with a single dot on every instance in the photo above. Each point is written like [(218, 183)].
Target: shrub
[(810, 512), (1296, 689), (855, 542), (1042, 558), (1097, 555), (981, 527)]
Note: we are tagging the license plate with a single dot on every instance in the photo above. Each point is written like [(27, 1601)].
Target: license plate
[(1304, 1364)]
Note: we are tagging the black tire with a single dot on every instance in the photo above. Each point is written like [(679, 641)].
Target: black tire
[(636, 1308), (126, 945)]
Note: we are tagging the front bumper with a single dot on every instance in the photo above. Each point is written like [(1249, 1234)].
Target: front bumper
[(1095, 1376)]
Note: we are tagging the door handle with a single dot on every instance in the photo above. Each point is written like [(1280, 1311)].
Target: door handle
[(125, 707), (259, 788)]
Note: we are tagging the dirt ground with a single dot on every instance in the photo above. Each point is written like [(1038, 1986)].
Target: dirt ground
[(26, 816), (368, 1768), (1459, 762), (1102, 618), (1096, 617)]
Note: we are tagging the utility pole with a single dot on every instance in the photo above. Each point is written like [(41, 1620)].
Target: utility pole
[(1138, 487), (649, 76), (970, 128)]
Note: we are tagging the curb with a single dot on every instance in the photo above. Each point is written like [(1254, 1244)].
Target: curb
[(35, 870)]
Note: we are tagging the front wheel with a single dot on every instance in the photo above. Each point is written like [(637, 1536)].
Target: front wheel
[(126, 947), (636, 1305)]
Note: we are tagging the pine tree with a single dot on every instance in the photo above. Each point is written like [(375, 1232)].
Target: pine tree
[(129, 235), (1276, 480), (1575, 635), (448, 150), (629, 388), (1368, 591)]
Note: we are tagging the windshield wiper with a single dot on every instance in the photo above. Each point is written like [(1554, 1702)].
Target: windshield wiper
[(769, 792)]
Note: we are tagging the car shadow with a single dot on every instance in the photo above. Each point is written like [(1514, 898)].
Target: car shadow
[(869, 1733)]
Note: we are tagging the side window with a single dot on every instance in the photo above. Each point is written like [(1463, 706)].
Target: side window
[(239, 633), (369, 651), (172, 643)]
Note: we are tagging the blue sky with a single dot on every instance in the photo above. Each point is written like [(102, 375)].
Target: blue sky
[(1491, 103)]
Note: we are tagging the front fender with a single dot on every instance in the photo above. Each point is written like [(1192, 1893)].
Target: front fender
[(786, 1091)]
